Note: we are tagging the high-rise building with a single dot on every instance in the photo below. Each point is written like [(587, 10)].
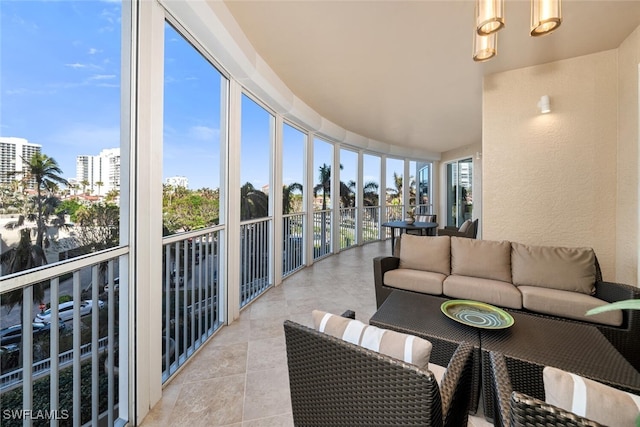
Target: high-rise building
[(99, 174), (14, 153), (177, 181)]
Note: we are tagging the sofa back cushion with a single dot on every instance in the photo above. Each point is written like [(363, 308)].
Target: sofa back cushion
[(567, 269), (486, 259), (405, 347), (427, 253)]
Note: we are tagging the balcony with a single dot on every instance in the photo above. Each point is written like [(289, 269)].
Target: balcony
[(240, 376)]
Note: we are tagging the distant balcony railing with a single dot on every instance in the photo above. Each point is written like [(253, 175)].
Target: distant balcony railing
[(321, 233), (348, 217), (293, 245), (371, 223), (254, 259), (191, 295), (69, 369)]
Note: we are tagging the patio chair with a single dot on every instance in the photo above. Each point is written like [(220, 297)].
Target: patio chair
[(333, 382), (467, 229), (515, 409), (425, 218)]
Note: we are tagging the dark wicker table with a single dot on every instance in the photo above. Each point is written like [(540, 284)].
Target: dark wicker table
[(534, 342), (420, 315)]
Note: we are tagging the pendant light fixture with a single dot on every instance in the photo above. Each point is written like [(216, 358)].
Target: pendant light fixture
[(484, 47), (546, 16), (489, 16)]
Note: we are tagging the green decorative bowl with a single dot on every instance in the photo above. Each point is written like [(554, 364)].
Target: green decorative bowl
[(476, 314)]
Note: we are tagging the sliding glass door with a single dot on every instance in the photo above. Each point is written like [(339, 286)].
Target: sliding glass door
[(459, 191)]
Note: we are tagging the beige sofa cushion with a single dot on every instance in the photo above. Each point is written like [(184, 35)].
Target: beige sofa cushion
[(408, 348), (425, 282), (567, 269), (590, 399), (572, 305), (428, 253), (486, 259), (494, 292)]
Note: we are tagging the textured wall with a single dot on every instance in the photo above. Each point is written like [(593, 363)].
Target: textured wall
[(627, 218), (550, 179)]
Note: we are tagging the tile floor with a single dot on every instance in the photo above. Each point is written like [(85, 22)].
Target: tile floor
[(240, 377)]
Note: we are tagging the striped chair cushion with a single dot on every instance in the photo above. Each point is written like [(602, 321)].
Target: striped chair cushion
[(408, 348), (590, 399)]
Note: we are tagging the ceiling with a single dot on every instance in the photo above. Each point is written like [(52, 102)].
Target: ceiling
[(401, 72)]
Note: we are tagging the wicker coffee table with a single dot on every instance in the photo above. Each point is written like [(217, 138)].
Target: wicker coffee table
[(420, 315)]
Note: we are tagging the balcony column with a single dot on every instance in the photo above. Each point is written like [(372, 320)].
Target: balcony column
[(360, 197), (335, 200), (406, 187), (383, 196), (308, 199), (145, 166), (233, 202), (276, 179)]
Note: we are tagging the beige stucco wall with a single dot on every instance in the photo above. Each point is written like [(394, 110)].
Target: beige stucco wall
[(550, 179), (627, 213)]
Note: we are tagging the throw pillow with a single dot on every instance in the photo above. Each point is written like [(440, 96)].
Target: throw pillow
[(590, 399), (408, 348), (465, 226)]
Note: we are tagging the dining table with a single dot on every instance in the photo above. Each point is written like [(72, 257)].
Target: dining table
[(405, 226)]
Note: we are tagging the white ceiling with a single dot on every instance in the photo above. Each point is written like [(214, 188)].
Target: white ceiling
[(401, 72)]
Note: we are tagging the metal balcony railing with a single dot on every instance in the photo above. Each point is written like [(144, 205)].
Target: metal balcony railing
[(321, 233), (254, 259), (371, 223), (348, 218), (293, 245), (191, 295)]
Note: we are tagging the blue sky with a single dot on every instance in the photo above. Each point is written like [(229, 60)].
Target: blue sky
[(60, 87)]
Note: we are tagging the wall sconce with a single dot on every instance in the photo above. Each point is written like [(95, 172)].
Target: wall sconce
[(544, 104), (546, 16)]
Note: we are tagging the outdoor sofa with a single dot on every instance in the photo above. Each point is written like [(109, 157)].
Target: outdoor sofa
[(557, 282)]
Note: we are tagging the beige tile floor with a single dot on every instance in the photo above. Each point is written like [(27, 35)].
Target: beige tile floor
[(240, 377)]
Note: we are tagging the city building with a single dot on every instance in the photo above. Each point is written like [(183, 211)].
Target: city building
[(99, 174), (177, 181), (14, 152)]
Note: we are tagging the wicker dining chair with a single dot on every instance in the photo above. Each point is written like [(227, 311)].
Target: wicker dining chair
[(333, 382)]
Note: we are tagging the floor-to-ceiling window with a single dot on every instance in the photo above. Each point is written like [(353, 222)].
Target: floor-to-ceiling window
[(60, 198), (348, 197), (459, 191), (422, 173), (322, 200), (293, 205), (192, 141), (371, 197), (257, 136), (395, 182)]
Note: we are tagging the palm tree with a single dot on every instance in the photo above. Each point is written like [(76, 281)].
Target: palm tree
[(287, 196), (396, 192), (23, 256), (45, 172), (99, 184), (253, 203), (85, 183)]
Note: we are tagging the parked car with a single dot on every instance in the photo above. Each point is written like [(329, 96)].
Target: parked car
[(13, 334), (65, 311)]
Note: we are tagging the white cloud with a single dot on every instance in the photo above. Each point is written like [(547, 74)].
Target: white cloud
[(93, 51), (76, 65), (203, 133), (102, 77)]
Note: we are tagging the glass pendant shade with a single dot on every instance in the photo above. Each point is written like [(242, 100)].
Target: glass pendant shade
[(546, 16), (489, 16), (484, 47)]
